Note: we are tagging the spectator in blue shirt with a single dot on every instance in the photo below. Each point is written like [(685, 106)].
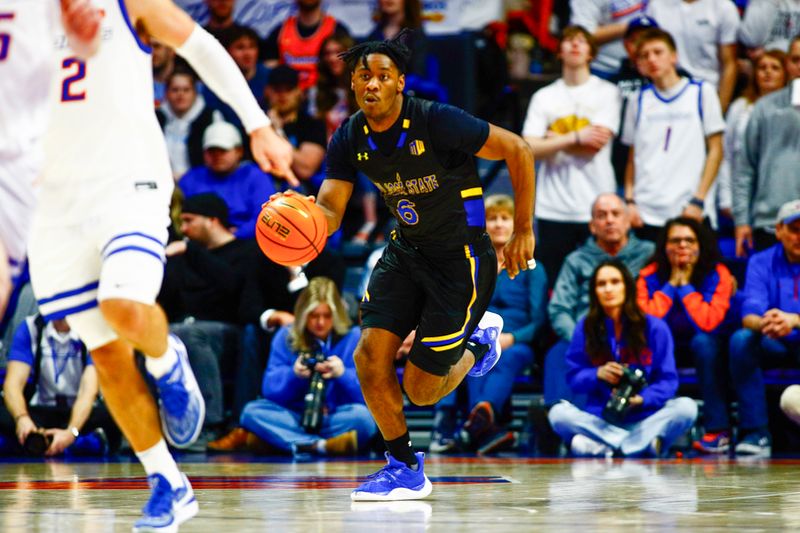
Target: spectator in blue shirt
[(243, 186), (770, 320), (615, 334), (322, 327)]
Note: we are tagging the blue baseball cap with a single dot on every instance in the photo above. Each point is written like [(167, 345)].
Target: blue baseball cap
[(642, 22)]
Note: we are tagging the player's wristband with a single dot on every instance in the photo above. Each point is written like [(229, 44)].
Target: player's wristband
[(217, 70), (630, 201)]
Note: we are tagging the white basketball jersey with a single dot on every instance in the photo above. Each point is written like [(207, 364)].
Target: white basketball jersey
[(26, 36), (104, 140), (670, 152)]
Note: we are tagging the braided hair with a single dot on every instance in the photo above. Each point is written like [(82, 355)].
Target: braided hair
[(395, 49)]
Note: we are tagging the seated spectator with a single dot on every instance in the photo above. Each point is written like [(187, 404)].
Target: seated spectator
[(307, 134), (184, 117), (298, 40), (51, 388), (570, 125), (243, 186), (674, 129), (610, 226), (770, 320), (769, 76), (690, 289), (616, 335), (322, 328), (331, 98), (241, 43), (521, 303)]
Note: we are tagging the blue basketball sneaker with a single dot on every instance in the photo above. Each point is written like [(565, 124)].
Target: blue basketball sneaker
[(181, 404), (395, 481), (487, 334), (167, 508)]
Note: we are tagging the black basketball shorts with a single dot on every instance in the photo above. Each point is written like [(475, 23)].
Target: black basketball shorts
[(442, 296)]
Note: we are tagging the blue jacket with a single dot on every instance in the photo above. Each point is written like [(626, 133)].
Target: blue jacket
[(522, 302), (772, 283), (283, 387), (658, 364), (244, 190)]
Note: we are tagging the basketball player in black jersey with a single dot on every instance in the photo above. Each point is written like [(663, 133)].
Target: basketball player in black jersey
[(438, 272)]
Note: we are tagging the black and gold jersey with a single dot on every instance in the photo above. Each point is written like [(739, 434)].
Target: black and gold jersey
[(423, 166)]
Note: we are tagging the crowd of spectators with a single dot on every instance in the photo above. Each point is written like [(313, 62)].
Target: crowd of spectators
[(670, 128)]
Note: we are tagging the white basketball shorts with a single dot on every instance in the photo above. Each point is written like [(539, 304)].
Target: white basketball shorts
[(117, 252)]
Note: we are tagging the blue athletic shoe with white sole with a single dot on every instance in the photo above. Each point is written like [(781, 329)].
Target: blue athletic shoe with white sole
[(181, 403), (395, 481), (167, 508), (487, 333)]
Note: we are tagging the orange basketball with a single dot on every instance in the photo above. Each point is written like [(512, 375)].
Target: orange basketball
[(291, 230)]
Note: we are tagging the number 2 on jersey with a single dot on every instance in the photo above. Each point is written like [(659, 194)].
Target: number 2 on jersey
[(78, 69), (5, 38)]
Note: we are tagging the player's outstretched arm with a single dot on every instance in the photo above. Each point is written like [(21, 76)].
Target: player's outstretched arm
[(81, 20), (502, 144), (169, 24)]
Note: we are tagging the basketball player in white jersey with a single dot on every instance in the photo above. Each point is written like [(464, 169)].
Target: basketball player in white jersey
[(97, 244), (27, 29)]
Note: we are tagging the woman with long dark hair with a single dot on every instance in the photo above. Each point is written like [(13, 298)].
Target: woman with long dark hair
[(688, 287), (615, 339)]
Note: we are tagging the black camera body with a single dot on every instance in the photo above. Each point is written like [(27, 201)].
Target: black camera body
[(37, 443), (314, 402), (618, 405)]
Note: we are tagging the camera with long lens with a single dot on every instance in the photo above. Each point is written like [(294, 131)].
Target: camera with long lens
[(315, 397), (618, 405), (37, 443)]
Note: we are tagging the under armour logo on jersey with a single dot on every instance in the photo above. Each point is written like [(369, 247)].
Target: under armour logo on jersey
[(364, 156)]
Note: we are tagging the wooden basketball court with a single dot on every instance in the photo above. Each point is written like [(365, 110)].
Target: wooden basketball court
[(239, 495)]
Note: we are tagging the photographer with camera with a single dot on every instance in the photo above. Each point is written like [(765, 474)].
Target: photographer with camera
[(312, 402), (49, 395), (624, 361)]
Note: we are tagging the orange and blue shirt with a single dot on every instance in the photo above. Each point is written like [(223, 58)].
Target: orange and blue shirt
[(686, 308)]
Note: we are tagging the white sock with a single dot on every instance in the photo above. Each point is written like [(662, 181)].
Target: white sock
[(158, 460), (158, 366)]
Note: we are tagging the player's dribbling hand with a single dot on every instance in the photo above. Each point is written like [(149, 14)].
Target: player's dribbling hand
[(273, 154), (311, 198), (82, 22), (518, 251)]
